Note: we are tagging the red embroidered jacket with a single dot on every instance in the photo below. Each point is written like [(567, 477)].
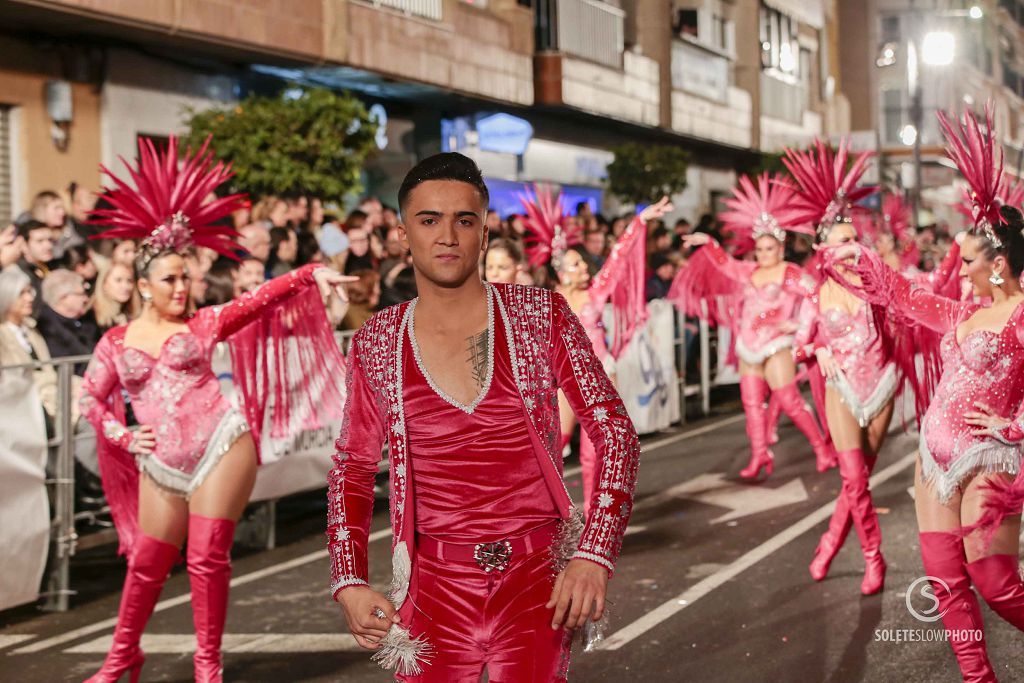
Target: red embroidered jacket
[(549, 350)]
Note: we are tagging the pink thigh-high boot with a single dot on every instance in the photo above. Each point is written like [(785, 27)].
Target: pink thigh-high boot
[(942, 554), (209, 570), (150, 563), (793, 404), (838, 529), (853, 469), (754, 394), (997, 578), (774, 413)]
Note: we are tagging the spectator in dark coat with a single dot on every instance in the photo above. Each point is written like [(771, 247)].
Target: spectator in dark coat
[(66, 321)]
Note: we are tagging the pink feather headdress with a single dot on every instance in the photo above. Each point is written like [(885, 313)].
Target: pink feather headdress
[(1011, 194), (979, 157), (826, 189), (548, 236), (762, 210), (896, 217), (167, 210)]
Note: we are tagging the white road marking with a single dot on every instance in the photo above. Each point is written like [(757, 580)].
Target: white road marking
[(319, 555), (77, 633), (278, 643), (699, 431), (668, 609), (7, 641), (713, 488)]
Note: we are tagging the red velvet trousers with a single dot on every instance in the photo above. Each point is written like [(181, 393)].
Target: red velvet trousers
[(496, 620)]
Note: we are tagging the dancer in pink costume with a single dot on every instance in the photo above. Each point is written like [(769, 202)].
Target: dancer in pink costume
[(196, 452), (853, 351), (769, 292), (891, 235), (968, 504), (620, 282)]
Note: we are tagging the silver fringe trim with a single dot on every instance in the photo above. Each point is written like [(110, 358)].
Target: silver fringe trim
[(229, 429), (983, 458), (564, 546), (752, 357), (593, 632), (401, 653), (567, 540), (401, 574), (865, 411)]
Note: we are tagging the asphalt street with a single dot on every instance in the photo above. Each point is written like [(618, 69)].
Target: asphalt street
[(712, 586)]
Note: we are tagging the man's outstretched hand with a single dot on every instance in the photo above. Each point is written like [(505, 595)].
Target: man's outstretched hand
[(578, 594)]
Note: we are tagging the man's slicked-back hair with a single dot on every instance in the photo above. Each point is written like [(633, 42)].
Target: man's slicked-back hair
[(444, 166)]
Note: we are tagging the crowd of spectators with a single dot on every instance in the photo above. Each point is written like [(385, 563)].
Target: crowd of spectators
[(60, 290)]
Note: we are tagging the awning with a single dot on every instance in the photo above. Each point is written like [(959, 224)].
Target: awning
[(807, 11)]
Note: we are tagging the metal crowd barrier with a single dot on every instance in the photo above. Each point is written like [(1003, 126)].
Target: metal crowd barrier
[(64, 538)]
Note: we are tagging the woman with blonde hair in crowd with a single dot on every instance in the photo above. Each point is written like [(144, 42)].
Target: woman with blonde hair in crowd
[(363, 297), (272, 211), (124, 252), (505, 263), (116, 302)]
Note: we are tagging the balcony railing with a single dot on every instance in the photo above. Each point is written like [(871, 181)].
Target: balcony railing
[(699, 71), (428, 9), (782, 100), (589, 29)]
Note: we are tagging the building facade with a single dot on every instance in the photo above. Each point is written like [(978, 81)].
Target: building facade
[(968, 54)]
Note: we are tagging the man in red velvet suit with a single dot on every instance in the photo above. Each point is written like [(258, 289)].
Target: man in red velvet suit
[(493, 566)]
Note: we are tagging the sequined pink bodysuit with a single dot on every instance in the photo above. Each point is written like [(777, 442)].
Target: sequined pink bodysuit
[(766, 319), (867, 377), (177, 393), (983, 366)]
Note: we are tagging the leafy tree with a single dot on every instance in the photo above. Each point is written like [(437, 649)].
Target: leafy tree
[(310, 143), (641, 174)]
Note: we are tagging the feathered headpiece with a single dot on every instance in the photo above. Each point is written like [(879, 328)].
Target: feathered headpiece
[(826, 190), (1011, 195), (547, 235), (979, 157), (762, 210), (167, 210), (896, 217), (893, 219)]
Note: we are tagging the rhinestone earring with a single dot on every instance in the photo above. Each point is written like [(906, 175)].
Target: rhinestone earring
[(996, 279), (146, 296)]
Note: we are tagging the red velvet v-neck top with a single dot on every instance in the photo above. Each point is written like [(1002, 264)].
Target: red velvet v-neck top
[(475, 475)]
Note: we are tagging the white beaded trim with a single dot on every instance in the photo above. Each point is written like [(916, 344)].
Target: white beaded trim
[(490, 355)]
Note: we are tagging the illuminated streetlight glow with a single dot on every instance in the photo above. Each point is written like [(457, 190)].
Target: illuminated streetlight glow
[(908, 135), (938, 48), (886, 56)]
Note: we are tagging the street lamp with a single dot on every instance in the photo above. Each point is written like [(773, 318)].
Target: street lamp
[(938, 48), (935, 48)]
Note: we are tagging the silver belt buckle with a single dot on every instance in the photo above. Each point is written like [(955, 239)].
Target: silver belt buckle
[(493, 556)]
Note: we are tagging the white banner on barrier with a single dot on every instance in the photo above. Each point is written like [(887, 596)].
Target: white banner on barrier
[(646, 371), (24, 508)]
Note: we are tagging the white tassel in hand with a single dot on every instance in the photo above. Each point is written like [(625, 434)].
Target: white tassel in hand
[(402, 653)]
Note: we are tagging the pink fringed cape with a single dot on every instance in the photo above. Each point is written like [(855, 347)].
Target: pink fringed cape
[(287, 368), (621, 283)]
